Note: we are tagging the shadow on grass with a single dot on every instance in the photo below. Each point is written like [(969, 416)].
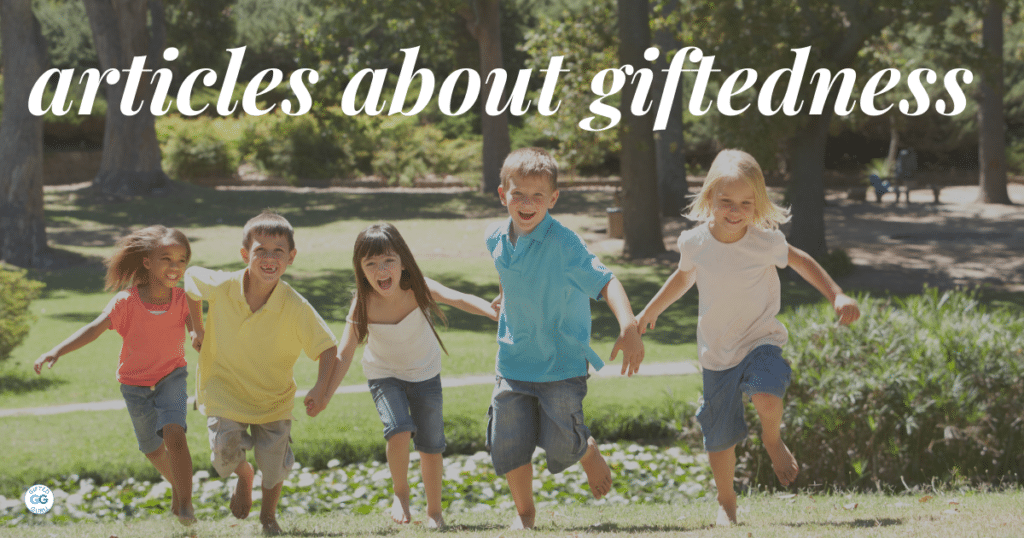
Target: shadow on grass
[(855, 524), (639, 529), (17, 382), (378, 531)]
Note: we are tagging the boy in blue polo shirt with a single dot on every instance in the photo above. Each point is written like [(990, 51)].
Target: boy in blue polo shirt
[(548, 277)]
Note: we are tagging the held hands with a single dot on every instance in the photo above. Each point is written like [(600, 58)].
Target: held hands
[(646, 321), (496, 306), (632, 349), (48, 357), (315, 401), (197, 338), (846, 308)]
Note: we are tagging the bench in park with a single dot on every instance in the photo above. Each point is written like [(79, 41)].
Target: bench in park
[(885, 186)]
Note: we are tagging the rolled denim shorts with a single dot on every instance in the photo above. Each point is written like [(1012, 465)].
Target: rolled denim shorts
[(152, 408), (411, 406), (525, 415), (762, 371)]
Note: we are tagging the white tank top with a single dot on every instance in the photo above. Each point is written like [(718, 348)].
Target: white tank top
[(407, 350)]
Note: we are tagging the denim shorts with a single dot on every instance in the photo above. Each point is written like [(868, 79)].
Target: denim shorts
[(525, 415), (152, 408), (762, 371), (408, 406)]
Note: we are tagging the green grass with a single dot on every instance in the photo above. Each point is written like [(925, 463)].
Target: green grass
[(917, 515), (101, 445)]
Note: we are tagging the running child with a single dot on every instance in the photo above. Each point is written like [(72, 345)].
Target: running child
[(151, 316), (732, 257), (391, 312)]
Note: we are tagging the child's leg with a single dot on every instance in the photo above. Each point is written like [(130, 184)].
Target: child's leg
[(599, 475), (181, 469), (241, 499), (769, 409), (723, 466), (144, 416), (513, 431), (398, 463), (432, 465), (426, 405), (274, 458), (520, 485), (565, 436), (228, 442), (162, 461)]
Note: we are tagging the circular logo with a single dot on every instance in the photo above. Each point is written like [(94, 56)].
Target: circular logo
[(39, 499)]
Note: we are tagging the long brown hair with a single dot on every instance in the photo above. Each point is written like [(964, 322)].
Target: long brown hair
[(124, 266), (383, 238)]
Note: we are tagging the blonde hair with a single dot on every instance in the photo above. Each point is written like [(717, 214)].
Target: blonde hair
[(737, 164), (526, 162), (125, 266), (268, 223)]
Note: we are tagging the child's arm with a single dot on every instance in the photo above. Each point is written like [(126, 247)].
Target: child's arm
[(674, 288), (496, 302), (318, 397), (805, 266), (629, 337), (462, 301), (341, 362), (82, 336), (195, 323)]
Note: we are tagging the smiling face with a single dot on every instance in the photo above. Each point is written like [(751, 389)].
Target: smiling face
[(166, 264), (384, 272), (267, 258), (733, 209), (528, 200)]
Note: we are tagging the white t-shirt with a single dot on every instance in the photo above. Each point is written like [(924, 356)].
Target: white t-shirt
[(739, 292), (407, 350)]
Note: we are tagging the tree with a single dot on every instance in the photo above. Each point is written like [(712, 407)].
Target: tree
[(484, 23), (131, 153), (640, 213), (671, 154), (746, 35), (22, 228), (991, 119)]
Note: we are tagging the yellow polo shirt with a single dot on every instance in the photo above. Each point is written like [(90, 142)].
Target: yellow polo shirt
[(247, 358)]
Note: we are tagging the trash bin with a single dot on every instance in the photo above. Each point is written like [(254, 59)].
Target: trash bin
[(615, 222)]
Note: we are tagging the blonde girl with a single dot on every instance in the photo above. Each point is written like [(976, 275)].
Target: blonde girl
[(151, 315), (392, 312), (732, 257)]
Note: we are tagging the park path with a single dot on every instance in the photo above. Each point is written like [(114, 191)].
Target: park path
[(611, 370)]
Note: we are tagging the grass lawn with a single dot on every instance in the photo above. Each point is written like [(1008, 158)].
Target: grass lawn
[(101, 445), (914, 515)]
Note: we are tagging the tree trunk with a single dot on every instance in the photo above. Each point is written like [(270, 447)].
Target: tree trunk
[(484, 23), (807, 190), (22, 226), (641, 215), (131, 153), (671, 153), (894, 145), (991, 119)]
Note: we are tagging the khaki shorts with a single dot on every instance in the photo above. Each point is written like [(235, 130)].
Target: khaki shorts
[(271, 444)]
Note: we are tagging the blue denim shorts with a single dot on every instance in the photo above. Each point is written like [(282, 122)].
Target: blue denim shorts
[(152, 408), (762, 371), (525, 415), (406, 406)]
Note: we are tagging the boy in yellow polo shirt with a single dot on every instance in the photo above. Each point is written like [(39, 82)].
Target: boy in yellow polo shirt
[(257, 326)]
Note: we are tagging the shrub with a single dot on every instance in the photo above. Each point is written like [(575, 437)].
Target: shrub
[(405, 151), (319, 145), (195, 151), (16, 293), (919, 389)]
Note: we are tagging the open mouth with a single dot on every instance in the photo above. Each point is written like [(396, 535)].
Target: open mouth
[(268, 270), (526, 216), (385, 284)]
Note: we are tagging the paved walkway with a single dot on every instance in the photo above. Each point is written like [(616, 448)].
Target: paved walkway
[(610, 370)]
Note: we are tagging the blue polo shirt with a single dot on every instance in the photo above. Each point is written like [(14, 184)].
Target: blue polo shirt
[(548, 279)]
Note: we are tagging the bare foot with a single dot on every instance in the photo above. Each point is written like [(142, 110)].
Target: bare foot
[(726, 518), (175, 509), (523, 522), (785, 465), (435, 521), (270, 527), (241, 500), (400, 510), (599, 475), (187, 515)]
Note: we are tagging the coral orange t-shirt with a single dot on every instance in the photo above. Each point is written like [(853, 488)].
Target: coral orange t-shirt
[(154, 343)]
